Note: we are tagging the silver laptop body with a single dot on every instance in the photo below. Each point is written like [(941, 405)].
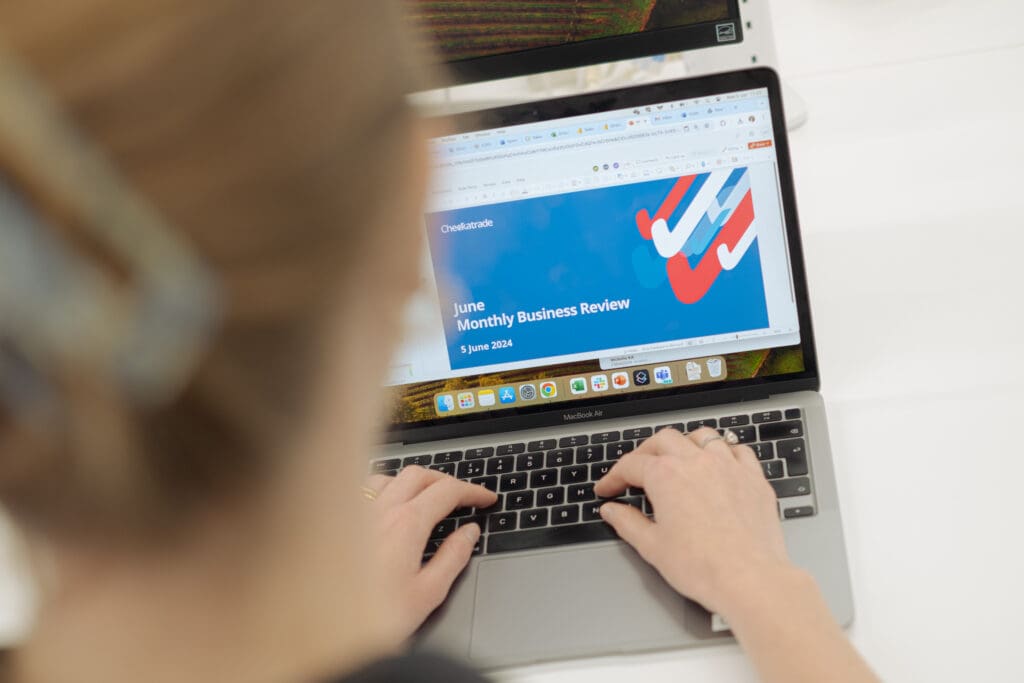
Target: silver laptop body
[(550, 582)]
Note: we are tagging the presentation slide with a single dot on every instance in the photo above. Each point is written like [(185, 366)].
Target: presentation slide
[(599, 270)]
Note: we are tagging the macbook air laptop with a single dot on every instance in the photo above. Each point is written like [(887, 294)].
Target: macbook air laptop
[(600, 267)]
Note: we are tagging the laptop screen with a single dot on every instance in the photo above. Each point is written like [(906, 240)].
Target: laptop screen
[(600, 257)]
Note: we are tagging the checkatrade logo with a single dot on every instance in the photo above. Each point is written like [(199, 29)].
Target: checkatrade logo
[(712, 227)]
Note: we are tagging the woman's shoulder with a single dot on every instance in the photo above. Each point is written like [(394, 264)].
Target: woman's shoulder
[(417, 668)]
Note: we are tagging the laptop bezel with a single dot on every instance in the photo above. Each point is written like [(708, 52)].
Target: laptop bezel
[(729, 391)]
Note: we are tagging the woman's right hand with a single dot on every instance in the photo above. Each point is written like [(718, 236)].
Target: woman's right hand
[(716, 534)]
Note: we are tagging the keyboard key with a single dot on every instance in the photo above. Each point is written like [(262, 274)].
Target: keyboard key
[(635, 501), (794, 452), (551, 496), (574, 474), (531, 519), (461, 512), (592, 511), (447, 456), (487, 482), (501, 521), (618, 449), (542, 445), (573, 441), (513, 482), (519, 500), (772, 469), (781, 430), (448, 468), (560, 457), (565, 514), (421, 460), (382, 466), (470, 468), (501, 464), (484, 452), (637, 433), (793, 414), (599, 469), (648, 508), (578, 493), (745, 434), (784, 488), (529, 461), (511, 448), (550, 536), (767, 416), (443, 528), (678, 426), (585, 454), (604, 437), (804, 511), (543, 478), (694, 425), (764, 451), (734, 421), (433, 544)]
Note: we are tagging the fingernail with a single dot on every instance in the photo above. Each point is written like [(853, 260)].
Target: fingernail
[(607, 510), (471, 531)]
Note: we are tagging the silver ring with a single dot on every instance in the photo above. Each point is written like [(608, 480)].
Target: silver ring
[(708, 440), (731, 437)]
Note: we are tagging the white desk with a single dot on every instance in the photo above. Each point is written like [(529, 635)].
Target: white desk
[(910, 179)]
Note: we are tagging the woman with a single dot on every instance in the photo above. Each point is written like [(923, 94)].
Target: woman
[(190, 491)]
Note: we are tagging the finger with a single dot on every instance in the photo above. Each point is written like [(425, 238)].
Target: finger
[(408, 484), (668, 441), (746, 456), (378, 482), (630, 470), (444, 567), (632, 527), (438, 500)]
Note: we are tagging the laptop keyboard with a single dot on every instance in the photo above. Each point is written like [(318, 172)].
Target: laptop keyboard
[(546, 487)]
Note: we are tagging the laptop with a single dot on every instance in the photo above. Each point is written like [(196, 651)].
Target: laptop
[(599, 267)]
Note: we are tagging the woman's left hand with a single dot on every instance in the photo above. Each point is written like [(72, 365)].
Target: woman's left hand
[(408, 507)]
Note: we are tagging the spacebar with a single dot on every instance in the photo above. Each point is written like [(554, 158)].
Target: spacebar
[(555, 535)]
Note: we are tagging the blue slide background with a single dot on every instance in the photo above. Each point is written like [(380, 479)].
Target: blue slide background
[(561, 250)]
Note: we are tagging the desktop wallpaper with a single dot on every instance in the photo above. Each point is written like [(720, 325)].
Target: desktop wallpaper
[(464, 29)]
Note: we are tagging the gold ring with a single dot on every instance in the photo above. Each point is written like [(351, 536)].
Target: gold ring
[(368, 493)]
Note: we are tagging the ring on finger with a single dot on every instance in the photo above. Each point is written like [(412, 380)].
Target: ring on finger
[(728, 436), (705, 442), (368, 493)]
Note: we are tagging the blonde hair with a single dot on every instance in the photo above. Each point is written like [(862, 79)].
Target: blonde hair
[(265, 134)]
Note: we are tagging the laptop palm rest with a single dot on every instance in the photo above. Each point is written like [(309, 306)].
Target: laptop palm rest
[(574, 602)]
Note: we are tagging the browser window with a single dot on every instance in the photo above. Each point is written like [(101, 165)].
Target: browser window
[(625, 251)]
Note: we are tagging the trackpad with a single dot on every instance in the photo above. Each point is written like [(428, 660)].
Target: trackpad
[(574, 602)]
